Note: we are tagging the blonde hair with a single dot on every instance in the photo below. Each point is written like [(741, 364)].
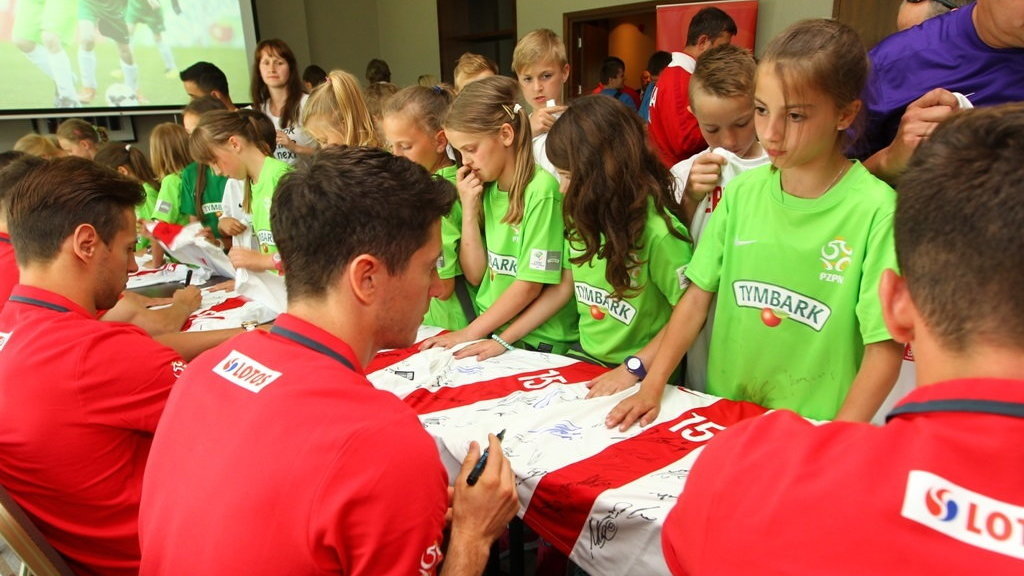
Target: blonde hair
[(339, 103), (483, 108), (540, 45), (168, 148), (38, 145), (470, 65), (217, 127)]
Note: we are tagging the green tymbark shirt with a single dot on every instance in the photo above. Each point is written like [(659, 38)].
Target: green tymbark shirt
[(611, 329), (530, 251), (262, 196), (213, 193), (448, 313), (797, 283), (144, 210), (168, 202)]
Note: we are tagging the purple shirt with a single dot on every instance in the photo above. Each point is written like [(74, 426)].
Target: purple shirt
[(942, 52)]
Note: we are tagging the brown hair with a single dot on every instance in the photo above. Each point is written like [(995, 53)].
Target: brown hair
[(258, 89), (76, 130), (377, 95), (825, 55), (339, 103), (966, 285), (168, 147), (469, 65), (216, 128), (613, 174), (540, 45), (385, 204), (13, 167), (427, 107), (725, 71), (113, 155), (483, 108), (38, 145), (53, 199)]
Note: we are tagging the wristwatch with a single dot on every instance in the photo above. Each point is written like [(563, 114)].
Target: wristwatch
[(635, 366)]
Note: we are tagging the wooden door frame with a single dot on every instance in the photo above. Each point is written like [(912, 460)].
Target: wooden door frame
[(571, 19)]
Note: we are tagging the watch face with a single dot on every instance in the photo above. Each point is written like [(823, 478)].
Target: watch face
[(634, 363)]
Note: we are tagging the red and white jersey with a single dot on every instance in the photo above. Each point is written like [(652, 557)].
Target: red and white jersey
[(226, 309), (599, 495)]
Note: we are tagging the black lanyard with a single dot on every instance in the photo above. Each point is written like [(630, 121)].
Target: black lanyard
[(312, 345), (40, 303), (1012, 409)]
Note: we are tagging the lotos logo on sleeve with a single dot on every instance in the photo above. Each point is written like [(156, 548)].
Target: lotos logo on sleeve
[(970, 517), (4, 337), (431, 558), (243, 371)]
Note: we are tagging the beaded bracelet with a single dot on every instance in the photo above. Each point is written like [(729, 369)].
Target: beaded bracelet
[(501, 341)]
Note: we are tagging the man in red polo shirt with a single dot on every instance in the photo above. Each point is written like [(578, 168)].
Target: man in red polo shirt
[(79, 398), (275, 454), (673, 127), (940, 488)]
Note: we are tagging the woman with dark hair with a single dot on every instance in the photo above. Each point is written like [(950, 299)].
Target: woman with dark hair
[(276, 91)]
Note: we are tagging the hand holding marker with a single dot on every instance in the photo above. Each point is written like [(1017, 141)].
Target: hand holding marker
[(478, 469)]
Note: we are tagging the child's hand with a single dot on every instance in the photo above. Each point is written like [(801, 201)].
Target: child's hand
[(231, 226), (142, 230), (543, 119), (642, 407), (249, 259), (469, 185), (447, 340), (483, 350), (704, 176), (610, 382)]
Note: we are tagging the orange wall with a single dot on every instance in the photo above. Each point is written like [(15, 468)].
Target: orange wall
[(633, 40)]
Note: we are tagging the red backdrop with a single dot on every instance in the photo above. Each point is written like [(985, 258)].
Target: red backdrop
[(674, 20)]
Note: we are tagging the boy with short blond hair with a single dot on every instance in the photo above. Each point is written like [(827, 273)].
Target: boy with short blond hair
[(721, 94), (542, 67)]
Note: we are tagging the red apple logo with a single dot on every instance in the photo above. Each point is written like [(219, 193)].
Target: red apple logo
[(769, 318), (596, 313)]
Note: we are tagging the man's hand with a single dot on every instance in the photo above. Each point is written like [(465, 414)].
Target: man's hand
[(919, 120)]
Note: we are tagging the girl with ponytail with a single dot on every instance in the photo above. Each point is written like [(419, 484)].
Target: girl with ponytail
[(239, 145), (512, 230)]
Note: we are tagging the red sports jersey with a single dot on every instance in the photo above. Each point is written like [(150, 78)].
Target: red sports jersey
[(8, 269), (79, 400), (276, 456), (940, 491), (674, 128)]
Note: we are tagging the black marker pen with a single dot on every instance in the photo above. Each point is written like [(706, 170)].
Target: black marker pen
[(477, 470)]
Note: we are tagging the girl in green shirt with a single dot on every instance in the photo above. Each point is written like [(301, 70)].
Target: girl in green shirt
[(512, 230), (131, 162), (412, 129), (238, 144), (626, 248)]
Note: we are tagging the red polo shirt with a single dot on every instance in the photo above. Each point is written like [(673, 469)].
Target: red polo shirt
[(276, 457), (79, 400), (674, 129), (937, 492), (8, 269)]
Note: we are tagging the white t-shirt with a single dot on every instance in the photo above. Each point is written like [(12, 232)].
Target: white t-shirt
[(295, 132), (231, 204), (697, 356), (540, 154), (733, 167)]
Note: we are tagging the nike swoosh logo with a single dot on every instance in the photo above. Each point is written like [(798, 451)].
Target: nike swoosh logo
[(743, 242)]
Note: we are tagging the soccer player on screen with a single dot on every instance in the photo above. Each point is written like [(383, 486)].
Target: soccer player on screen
[(108, 17), (41, 29)]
